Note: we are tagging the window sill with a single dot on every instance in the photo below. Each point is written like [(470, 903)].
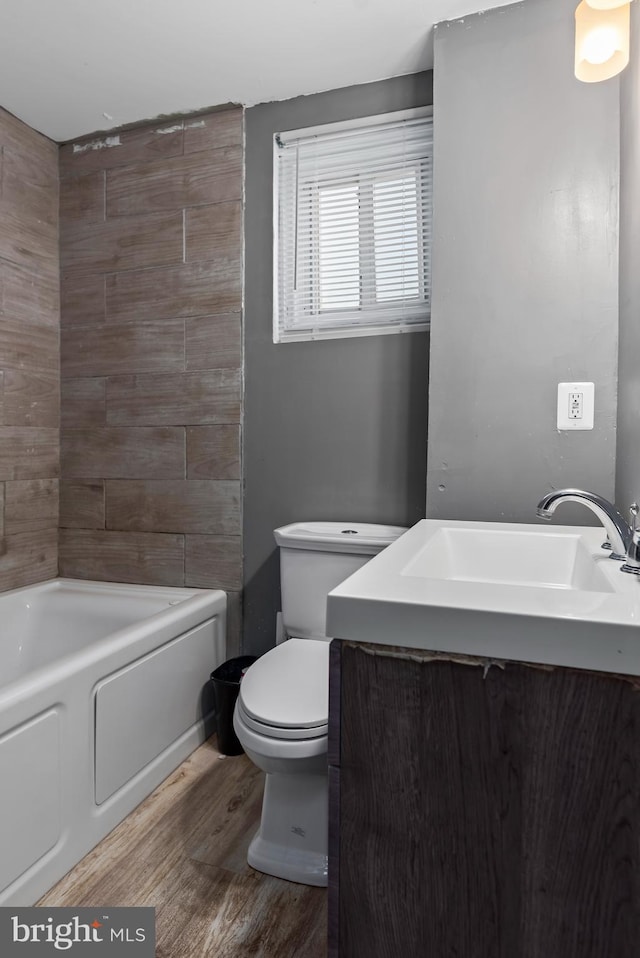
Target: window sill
[(347, 332)]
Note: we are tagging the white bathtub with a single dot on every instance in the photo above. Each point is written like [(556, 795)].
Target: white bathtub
[(103, 692)]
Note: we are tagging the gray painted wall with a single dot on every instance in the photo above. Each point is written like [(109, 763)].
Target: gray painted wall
[(628, 442), (524, 265), (333, 429)]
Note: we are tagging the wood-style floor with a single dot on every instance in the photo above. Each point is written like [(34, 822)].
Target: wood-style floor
[(183, 851)]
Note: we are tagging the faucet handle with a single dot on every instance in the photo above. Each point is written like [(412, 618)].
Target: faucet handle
[(634, 509)]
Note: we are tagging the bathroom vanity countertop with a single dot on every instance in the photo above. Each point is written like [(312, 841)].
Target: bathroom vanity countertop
[(548, 595)]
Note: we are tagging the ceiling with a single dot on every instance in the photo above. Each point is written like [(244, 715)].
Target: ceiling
[(73, 67)]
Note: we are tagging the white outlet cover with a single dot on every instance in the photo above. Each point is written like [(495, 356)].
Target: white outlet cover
[(583, 411)]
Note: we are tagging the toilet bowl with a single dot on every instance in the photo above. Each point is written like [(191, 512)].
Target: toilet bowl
[(282, 710), (280, 718)]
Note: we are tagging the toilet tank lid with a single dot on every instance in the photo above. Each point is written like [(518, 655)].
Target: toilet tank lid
[(354, 537)]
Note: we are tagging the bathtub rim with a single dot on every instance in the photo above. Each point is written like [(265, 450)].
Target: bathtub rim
[(195, 607)]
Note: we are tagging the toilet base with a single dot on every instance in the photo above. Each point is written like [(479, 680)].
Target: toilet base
[(291, 842)]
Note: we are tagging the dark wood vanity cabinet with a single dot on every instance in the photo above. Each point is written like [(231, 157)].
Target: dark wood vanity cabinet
[(481, 810)]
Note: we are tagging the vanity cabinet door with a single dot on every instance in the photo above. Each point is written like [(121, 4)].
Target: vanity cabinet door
[(481, 812)]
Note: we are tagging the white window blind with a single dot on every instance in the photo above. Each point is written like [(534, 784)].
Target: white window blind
[(352, 223)]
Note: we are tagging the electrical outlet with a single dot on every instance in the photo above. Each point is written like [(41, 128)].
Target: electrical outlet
[(575, 405)]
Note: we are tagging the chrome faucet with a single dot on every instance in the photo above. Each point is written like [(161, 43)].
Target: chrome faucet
[(632, 563), (620, 534)]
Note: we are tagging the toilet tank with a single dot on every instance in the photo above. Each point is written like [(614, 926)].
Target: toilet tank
[(315, 557)]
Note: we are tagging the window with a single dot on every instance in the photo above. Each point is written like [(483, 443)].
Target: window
[(352, 221)]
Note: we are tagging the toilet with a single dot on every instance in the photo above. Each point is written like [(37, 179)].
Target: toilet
[(282, 711)]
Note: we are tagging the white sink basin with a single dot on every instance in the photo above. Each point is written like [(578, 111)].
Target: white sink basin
[(523, 592), (510, 557)]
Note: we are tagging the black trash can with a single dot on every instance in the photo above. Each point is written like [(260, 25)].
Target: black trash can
[(226, 685)]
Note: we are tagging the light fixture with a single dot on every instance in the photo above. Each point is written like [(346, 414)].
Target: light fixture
[(606, 4), (602, 39)]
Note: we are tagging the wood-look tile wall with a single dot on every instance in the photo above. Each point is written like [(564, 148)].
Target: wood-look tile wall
[(29, 359), (151, 355)]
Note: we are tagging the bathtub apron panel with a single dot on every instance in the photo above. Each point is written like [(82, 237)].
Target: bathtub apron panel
[(147, 706), (30, 797)]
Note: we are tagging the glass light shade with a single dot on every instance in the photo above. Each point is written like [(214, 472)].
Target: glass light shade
[(606, 4), (602, 41)]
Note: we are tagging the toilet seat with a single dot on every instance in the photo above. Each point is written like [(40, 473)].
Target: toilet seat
[(276, 731), (260, 746), (285, 694)]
